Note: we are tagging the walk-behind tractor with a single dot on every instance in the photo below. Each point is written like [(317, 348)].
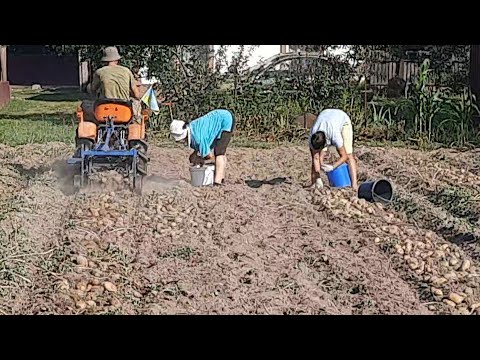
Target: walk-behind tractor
[(111, 139)]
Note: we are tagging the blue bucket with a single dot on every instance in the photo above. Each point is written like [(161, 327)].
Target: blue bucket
[(340, 177)]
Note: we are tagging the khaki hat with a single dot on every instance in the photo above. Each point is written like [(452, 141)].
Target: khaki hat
[(110, 54)]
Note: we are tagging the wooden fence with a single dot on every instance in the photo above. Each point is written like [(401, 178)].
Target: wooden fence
[(380, 73)]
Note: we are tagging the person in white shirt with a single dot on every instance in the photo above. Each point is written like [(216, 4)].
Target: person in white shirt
[(332, 128)]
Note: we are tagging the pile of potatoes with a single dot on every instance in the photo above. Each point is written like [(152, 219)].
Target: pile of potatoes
[(157, 215), (109, 180), (339, 204), (105, 219), (91, 292), (451, 276)]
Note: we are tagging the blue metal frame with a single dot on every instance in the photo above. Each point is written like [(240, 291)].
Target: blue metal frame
[(110, 130), (102, 149), (109, 153), (101, 153)]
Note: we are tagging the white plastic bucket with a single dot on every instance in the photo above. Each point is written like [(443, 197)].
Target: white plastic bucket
[(202, 175)]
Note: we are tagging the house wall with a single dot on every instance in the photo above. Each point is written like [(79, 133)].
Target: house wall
[(35, 64)]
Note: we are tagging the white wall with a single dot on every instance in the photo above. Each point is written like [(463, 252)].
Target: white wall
[(260, 52)]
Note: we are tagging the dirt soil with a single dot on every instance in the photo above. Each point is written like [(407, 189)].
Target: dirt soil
[(275, 249)]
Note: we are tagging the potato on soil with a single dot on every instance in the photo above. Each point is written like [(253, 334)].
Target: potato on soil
[(81, 261), (466, 265), (456, 298), (437, 292), (110, 286), (449, 302)]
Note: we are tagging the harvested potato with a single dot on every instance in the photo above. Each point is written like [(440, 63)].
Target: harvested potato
[(413, 264), (438, 281), (95, 212), (408, 247), (466, 265), (450, 276), (81, 261), (393, 230), (109, 286), (449, 302), (81, 305), (82, 286), (475, 306), (437, 292), (454, 261), (410, 232), (456, 298), (64, 285), (426, 254), (399, 249)]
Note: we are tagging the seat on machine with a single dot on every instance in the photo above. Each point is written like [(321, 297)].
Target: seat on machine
[(118, 110)]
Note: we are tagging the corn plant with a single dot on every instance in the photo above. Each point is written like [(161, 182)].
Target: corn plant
[(425, 102), (457, 126), (384, 118)]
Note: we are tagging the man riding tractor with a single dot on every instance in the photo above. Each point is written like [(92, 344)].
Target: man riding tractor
[(112, 84)]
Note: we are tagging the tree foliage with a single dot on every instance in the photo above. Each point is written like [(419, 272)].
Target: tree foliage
[(266, 106)]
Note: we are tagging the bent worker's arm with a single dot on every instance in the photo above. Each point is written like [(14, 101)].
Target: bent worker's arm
[(315, 166), (195, 159), (343, 157), (323, 153), (95, 84)]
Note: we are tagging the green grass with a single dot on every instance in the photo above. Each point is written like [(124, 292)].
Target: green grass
[(42, 116), (36, 117)]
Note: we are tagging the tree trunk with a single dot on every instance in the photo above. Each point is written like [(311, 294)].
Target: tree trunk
[(211, 57), (475, 70), (3, 63)]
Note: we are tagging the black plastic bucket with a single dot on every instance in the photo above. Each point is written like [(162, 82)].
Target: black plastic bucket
[(376, 191)]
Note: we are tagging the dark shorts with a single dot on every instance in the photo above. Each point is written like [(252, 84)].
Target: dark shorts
[(220, 145)]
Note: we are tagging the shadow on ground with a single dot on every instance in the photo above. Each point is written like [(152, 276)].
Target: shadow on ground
[(61, 95), (59, 118), (255, 184)]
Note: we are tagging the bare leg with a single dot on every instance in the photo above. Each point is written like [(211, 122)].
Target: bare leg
[(220, 162), (137, 110), (352, 167)]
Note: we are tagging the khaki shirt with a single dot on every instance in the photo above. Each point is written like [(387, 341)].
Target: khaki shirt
[(113, 82)]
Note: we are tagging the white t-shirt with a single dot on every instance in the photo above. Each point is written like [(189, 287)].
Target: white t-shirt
[(330, 121)]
